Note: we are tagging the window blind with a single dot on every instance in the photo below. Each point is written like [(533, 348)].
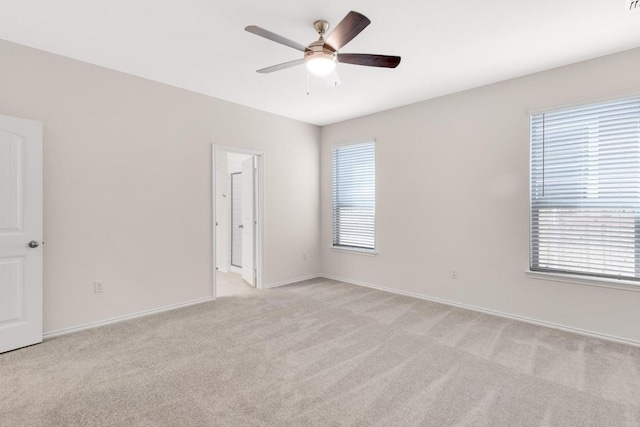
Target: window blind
[(354, 196), (585, 190)]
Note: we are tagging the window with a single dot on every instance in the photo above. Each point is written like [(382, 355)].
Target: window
[(354, 196), (585, 190)]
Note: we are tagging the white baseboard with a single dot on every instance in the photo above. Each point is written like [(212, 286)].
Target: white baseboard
[(123, 318), (537, 322), (552, 325), (289, 282)]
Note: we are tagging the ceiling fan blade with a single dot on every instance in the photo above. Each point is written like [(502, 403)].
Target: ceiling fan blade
[(274, 37), (281, 66), (369, 60), (350, 26)]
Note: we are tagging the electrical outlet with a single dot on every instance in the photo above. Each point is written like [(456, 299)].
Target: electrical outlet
[(454, 273), (99, 286)]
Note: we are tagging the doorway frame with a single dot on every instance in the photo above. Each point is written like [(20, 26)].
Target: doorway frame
[(259, 197)]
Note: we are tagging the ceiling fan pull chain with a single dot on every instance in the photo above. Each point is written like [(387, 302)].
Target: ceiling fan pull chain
[(308, 83)]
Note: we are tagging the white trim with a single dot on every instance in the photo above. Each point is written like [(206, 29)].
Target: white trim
[(367, 252), (551, 325), (351, 142), (600, 282), (289, 282), (241, 150), (260, 189), (214, 225), (612, 97), (118, 319)]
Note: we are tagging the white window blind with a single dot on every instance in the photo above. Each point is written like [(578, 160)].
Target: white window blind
[(354, 196), (585, 190)]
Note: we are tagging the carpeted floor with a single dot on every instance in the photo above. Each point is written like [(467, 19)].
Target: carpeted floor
[(321, 353)]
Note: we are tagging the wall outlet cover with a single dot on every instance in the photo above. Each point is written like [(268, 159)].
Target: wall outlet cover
[(99, 286)]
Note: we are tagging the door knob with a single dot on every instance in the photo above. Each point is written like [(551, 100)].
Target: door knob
[(33, 244), (241, 226)]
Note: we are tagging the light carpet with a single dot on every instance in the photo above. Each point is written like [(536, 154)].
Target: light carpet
[(321, 353)]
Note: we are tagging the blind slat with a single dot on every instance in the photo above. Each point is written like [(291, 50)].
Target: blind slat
[(354, 196), (585, 190)]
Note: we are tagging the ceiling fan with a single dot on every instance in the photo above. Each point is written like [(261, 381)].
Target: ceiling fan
[(320, 56)]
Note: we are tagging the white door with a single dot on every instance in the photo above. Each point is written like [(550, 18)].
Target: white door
[(248, 221), (20, 233), (236, 219)]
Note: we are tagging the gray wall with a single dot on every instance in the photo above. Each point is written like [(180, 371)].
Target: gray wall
[(128, 188), (127, 184), (452, 192)]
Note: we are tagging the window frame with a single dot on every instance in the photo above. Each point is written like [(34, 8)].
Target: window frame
[(623, 283), (353, 249)]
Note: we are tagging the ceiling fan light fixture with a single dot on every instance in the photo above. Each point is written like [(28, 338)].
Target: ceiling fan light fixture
[(320, 64), (322, 55)]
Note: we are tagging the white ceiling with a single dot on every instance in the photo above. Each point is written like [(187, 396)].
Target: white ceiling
[(446, 46)]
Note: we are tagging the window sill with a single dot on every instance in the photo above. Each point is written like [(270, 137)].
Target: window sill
[(366, 252), (625, 285)]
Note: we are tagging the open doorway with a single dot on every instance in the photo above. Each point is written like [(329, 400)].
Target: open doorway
[(237, 207)]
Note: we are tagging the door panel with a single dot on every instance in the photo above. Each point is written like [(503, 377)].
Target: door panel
[(11, 307), (20, 223), (10, 181), (248, 221)]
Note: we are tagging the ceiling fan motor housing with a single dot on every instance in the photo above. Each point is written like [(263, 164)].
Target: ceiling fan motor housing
[(318, 56), (318, 50)]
